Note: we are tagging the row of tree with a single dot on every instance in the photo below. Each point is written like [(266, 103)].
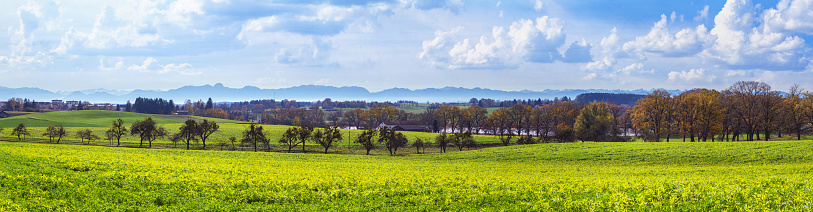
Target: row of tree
[(745, 111), (146, 130)]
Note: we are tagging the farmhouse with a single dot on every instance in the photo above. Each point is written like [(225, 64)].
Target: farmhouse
[(404, 126)]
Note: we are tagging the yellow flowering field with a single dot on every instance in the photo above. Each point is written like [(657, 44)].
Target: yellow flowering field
[(736, 176)]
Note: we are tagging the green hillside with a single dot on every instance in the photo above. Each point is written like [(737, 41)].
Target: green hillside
[(90, 118), (742, 176), (99, 121)]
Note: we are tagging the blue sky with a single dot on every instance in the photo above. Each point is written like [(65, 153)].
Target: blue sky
[(506, 45)]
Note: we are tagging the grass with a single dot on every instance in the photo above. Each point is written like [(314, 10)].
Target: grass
[(91, 118), (99, 121), (720, 176)]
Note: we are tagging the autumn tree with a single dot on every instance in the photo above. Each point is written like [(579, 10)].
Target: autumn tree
[(651, 115), (147, 130), (595, 123), (710, 114), (117, 130), (770, 115), (327, 137), (366, 140), (500, 124), (20, 131), (793, 111), (688, 111), (747, 101), (518, 118)]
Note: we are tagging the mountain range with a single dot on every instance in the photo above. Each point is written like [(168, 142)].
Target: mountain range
[(219, 93)]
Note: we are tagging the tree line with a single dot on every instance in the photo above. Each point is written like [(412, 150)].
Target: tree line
[(747, 110)]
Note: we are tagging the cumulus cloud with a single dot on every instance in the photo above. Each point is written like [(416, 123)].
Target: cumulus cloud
[(578, 52), (450, 5), (605, 55), (693, 75), (108, 65), (26, 45), (148, 64), (792, 16), (735, 73), (112, 31), (525, 40), (538, 5), (744, 40), (702, 14), (659, 40), (636, 68), (183, 68), (314, 53)]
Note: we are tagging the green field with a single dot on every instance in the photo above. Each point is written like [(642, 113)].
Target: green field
[(737, 176), (99, 121), (583, 176)]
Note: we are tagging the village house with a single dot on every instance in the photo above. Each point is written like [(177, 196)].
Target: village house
[(415, 126)]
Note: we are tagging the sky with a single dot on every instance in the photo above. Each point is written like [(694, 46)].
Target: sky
[(415, 44)]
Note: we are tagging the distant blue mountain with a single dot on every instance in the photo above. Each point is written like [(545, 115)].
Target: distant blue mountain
[(219, 93)]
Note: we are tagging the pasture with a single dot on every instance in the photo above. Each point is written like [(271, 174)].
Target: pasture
[(99, 121)]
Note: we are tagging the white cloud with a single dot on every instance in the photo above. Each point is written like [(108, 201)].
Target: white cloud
[(792, 16), (735, 73), (112, 31), (600, 64), (145, 66), (659, 40), (578, 52), (636, 68), (183, 68), (450, 5), (107, 65), (526, 40), (693, 75), (605, 55), (539, 5), (703, 14), (745, 41), (590, 76)]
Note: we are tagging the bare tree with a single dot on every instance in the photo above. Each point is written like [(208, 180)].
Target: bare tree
[(117, 130)]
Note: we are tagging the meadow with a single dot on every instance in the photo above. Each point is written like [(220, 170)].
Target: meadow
[(581, 176), (99, 121), (736, 176)]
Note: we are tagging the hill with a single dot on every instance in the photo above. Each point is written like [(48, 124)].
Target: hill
[(741, 176), (92, 118)]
